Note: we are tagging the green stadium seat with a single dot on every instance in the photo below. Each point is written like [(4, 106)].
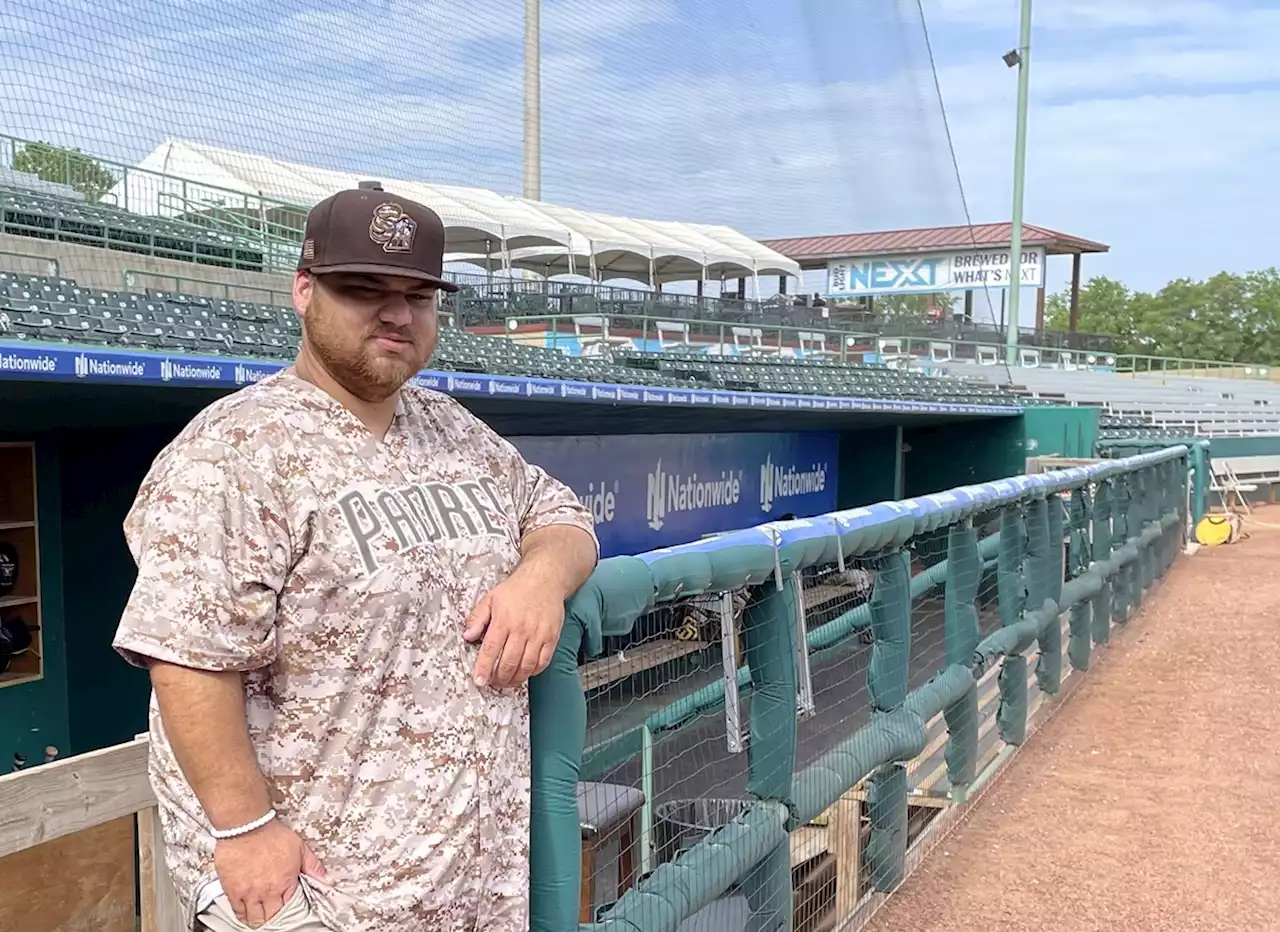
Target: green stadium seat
[(57, 309)]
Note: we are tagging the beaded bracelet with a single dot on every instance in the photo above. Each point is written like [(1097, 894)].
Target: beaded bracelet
[(257, 823)]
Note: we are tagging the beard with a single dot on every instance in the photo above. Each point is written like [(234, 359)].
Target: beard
[(354, 361)]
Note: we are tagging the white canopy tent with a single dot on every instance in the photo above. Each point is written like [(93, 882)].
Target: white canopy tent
[(480, 225)]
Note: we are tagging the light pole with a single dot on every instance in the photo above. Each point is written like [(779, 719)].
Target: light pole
[(1022, 57), (532, 101)]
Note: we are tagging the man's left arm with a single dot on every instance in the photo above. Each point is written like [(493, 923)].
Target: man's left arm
[(521, 618)]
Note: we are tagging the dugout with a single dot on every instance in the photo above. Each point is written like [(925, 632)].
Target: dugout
[(76, 449)]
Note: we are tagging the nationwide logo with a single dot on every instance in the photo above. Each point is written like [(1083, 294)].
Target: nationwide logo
[(170, 370), (573, 391), (102, 368), (678, 398), (466, 385), (505, 388), (11, 362), (628, 394), (248, 375), (654, 396), (538, 389), (776, 482), (601, 500), (669, 494)]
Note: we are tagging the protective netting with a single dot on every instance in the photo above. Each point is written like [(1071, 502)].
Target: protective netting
[(193, 137), (871, 693), (671, 726)]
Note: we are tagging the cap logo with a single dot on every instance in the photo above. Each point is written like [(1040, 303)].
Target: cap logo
[(391, 228)]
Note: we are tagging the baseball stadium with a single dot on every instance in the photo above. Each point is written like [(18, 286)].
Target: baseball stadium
[(889, 559)]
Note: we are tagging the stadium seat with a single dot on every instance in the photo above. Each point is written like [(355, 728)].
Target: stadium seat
[(42, 308), (49, 217)]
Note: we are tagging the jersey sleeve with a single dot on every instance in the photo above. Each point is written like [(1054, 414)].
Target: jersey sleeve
[(544, 500), (211, 543)]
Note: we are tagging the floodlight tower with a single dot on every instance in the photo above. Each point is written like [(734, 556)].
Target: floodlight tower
[(532, 101), (1021, 56)]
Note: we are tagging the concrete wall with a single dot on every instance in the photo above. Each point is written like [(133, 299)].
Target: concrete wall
[(95, 267)]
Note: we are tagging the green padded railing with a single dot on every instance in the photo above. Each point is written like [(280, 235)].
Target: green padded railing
[(1119, 524)]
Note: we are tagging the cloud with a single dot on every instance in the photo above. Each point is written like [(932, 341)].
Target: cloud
[(1150, 122), (645, 111), (1149, 127), (1087, 15)]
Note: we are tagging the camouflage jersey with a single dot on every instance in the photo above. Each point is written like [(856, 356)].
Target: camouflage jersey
[(276, 536)]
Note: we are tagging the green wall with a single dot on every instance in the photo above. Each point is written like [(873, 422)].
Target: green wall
[(34, 715), (866, 467), (1220, 447), (89, 697), (942, 457), (107, 698), (1059, 431)]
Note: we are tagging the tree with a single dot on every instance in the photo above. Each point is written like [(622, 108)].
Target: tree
[(64, 166), (911, 306), (1228, 317)]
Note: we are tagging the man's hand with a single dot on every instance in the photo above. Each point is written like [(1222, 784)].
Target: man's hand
[(259, 871), (520, 620), (521, 617)]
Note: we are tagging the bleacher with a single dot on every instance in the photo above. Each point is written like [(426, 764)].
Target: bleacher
[(41, 308), (1150, 404), (47, 216)]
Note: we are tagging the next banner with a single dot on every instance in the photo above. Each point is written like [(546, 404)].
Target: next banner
[(653, 491), (926, 273)]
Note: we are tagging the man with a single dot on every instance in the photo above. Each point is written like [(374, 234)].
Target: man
[(343, 586)]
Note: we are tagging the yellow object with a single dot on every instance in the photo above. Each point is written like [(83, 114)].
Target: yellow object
[(688, 631), (1212, 530)]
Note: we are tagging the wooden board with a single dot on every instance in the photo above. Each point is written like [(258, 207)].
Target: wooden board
[(817, 596), (159, 907), (72, 794), (633, 660), (77, 883)]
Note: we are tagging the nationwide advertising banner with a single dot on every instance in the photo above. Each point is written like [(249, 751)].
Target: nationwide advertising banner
[(656, 490)]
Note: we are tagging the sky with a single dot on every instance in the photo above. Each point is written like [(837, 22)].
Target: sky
[(1154, 126), (1153, 123)]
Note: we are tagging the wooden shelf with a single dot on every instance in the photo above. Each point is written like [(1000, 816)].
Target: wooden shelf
[(611, 669), (19, 530)]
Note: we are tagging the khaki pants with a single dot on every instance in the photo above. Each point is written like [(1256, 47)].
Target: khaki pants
[(294, 916)]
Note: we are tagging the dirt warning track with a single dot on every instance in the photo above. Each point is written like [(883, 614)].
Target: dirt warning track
[(1151, 801)]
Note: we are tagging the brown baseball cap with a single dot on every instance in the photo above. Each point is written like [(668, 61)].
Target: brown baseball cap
[(367, 230)]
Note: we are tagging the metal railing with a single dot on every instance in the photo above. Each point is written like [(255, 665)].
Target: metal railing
[(136, 280), (1205, 368), (273, 226)]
